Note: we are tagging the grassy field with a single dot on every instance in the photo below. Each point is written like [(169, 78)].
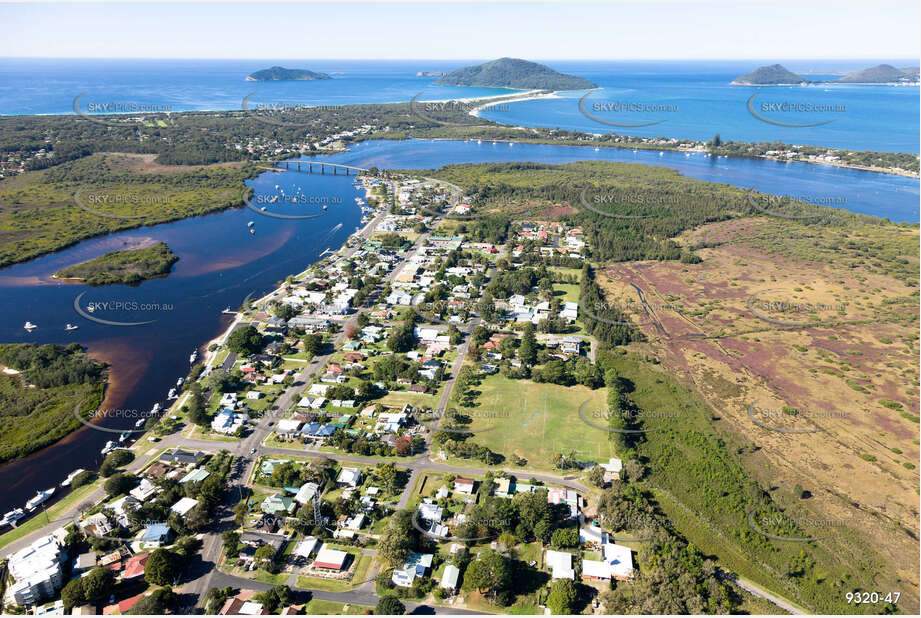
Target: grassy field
[(535, 421), (318, 607)]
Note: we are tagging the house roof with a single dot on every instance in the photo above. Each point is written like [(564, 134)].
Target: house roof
[(560, 564), (135, 566), (449, 577), (328, 558), (183, 506)]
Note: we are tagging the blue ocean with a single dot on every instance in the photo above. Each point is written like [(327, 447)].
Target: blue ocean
[(685, 100)]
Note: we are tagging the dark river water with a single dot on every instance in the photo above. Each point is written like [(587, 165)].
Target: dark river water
[(221, 263)]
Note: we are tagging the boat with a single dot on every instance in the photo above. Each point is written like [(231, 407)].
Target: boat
[(156, 408), (193, 357), (179, 381), (71, 326), (252, 231), (10, 519), (107, 448), (70, 477), (29, 326), (597, 149), (39, 499), (251, 224), (171, 394), (140, 423), (262, 209), (122, 436), (276, 187), (479, 141), (324, 206), (687, 154), (661, 154)]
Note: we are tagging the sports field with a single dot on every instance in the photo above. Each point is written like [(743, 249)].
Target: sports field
[(535, 421)]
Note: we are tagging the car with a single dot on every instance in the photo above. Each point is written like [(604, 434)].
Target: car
[(252, 451)]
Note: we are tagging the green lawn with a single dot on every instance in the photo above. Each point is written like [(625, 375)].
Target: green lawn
[(535, 421), (318, 608)]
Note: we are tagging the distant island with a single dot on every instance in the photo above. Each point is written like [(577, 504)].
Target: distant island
[(778, 75), (277, 74), (431, 74), (773, 75), (881, 74), (514, 73), (125, 266)]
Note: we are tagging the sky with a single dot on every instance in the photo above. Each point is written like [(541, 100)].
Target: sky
[(384, 30)]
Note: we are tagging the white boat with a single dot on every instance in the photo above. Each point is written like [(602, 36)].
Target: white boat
[(276, 187), (262, 209), (661, 154), (70, 477), (194, 356), (140, 422), (171, 394), (252, 231), (687, 154), (39, 498), (324, 206), (479, 141), (71, 326), (10, 519), (597, 149), (29, 326), (251, 224), (107, 448), (156, 408), (179, 381)]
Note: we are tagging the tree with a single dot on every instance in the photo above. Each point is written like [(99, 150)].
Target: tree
[(275, 597), (120, 484), (563, 597), (399, 539), (231, 540), (96, 585), (389, 604), (114, 460), (489, 573), (565, 537), (246, 340), (401, 337), (163, 567), (158, 603), (196, 405), (264, 555), (527, 352), (313, 344), (596, 476)]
